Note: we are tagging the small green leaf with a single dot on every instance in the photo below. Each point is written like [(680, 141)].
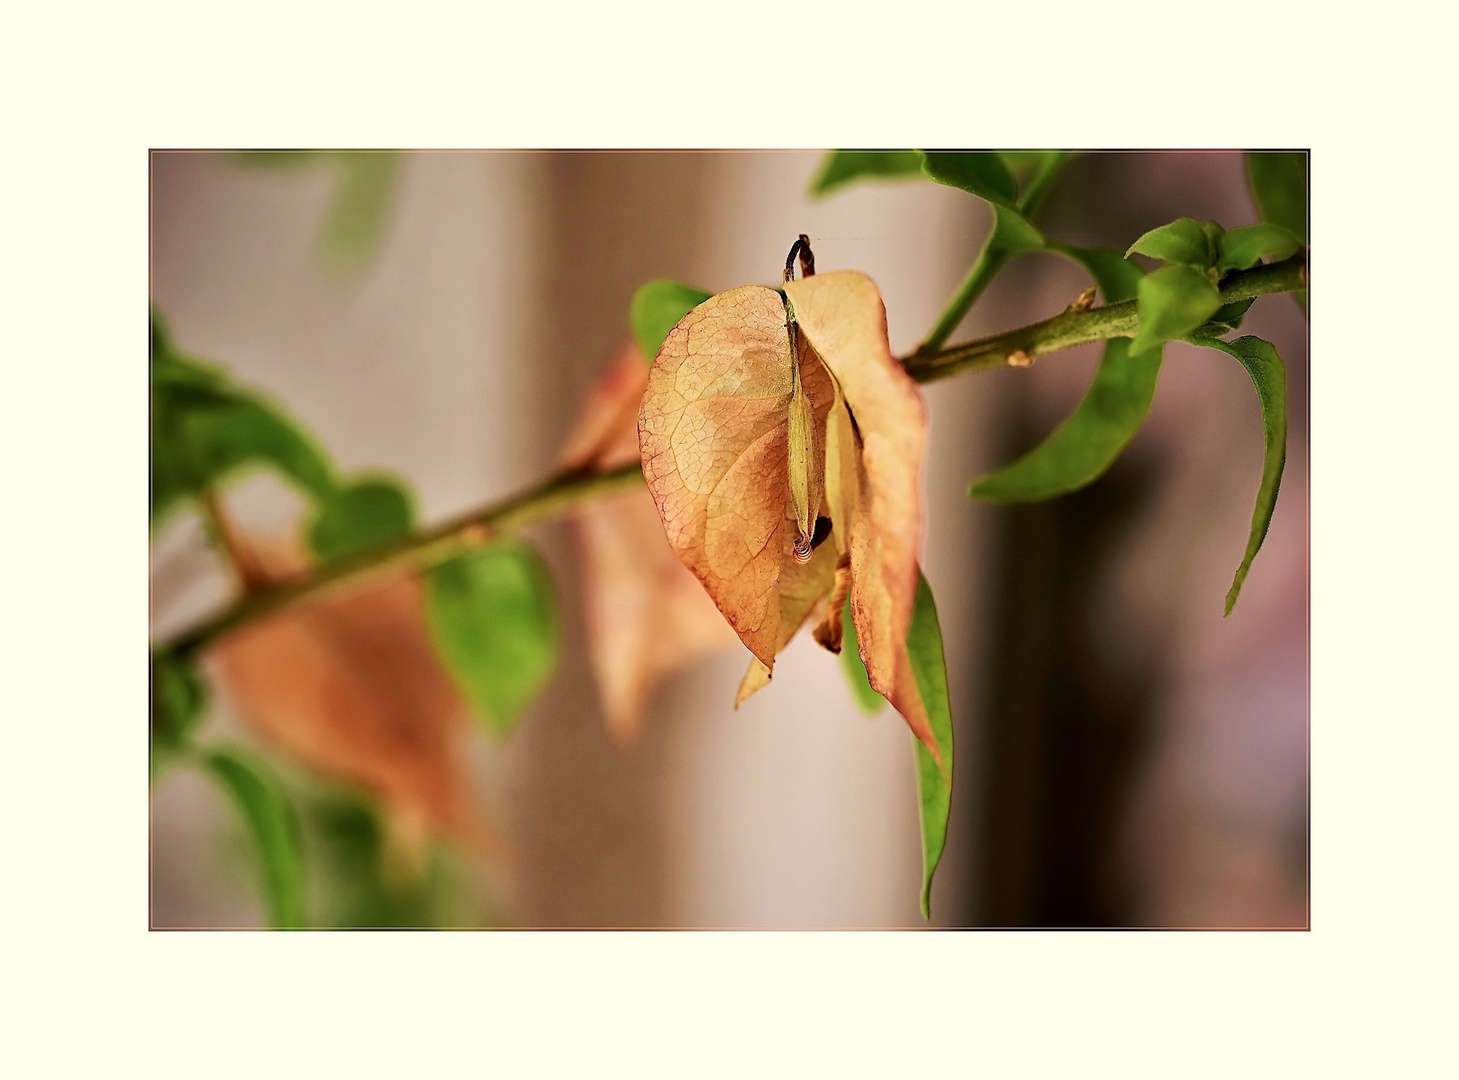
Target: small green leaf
[(1185, 241), (1243, 248), (842, 167), (1228, 317), (365, 192), (1174, 300), (275, 828), (493, 616), (1279, 189), (656, 308), (867, 699), (1269, 375), (179, 700), (980, 172), (934, 783), (361, 515)]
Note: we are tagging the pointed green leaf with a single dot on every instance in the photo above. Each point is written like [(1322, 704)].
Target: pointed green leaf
[(867, 699), (980, 172), (655, 309), (1269, 375), (1174, 300), (1185, 241), (934, 784), (842, 167), (274, 826), (1243, 248), (1081, 448), (1279, 189), (493, 616), (359, 516)]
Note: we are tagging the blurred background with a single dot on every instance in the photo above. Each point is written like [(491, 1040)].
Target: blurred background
[(1125, 755)]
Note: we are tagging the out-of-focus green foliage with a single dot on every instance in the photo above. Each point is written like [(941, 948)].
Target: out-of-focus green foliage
[(1279, 188), (493, 615), (273, 825), (205, 429), (842, 167), (1243, 248), (360, 515)]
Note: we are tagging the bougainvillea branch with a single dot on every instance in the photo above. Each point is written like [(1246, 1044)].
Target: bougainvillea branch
[(563, 491)]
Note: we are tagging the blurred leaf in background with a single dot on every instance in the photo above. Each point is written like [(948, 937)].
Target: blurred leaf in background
[(360, 515), (1279, 188), (205, 429), (656, 307), (273, 826), (359, 211), (647, 616), (842, 167), (493, 616)]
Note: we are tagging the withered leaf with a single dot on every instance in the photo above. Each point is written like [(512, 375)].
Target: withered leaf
[(353, 688), (733, 470), (714, 435), (647, 616), (842, 316)]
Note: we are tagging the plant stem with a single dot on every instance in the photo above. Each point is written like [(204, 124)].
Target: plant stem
[(1071, 328), (419, 551), (990, 260), (565, 490)]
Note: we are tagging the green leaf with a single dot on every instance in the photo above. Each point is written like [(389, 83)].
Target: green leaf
[(1228, 317), (359, 516), (980, 172), (1269, 375), (204, 428), (1174, 300), (274, 826), (1243, 248), (1279, 189), (352, 232), (1080, 449), (1185, 241), (656, 308), (934, 783), (842, 167), (179, 700), (867, 699), (493, 616), (1117, 277)]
